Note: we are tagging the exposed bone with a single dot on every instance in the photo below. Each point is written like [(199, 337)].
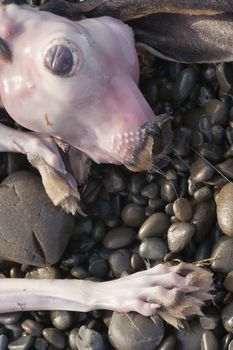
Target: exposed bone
[(173, 292)]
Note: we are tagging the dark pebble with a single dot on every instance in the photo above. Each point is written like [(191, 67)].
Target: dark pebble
[(79, 272), (119, 261), (10, 318), (226, 168), (32, 327), (178, 236), (203, 194), (146, 333), (181, 141), (137, 263), (155, 226), (228, 282), (40, 344), (201, 171), (98, 268), (133, 215), (225, 209), (150, 191), (182, 209), (23, 343), (114, 181), (153, 248), (169, 191), (168, 343), (222, 255), (227, 317), (119, 237), (216, 111), (204, 217), (137, 182), (209, 341), (61, 319), (189, 338), (3, 342), (54, 337), (184, 84)]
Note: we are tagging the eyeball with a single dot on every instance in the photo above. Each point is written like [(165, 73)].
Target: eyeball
[(61, 58)]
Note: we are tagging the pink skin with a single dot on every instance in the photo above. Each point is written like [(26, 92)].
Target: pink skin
[(98, 109)]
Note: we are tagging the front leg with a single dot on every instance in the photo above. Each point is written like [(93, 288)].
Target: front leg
[(42, 152)]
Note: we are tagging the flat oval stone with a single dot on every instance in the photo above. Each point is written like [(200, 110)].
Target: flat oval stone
[(182, 209), (134, 331), (225, 209), (33, 230), (119, 261), (133, 215), (153, 248), (119, 237), (201, 171), (179, 234), (155, 226), (54, 337), (222, 255)]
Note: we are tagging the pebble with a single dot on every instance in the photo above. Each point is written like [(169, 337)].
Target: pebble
[(209, 341), (227, 317), (168, 191), (181, 141), (22, 343), (137, 263), (85, 338), (114, 181), (155, 226), (119, 261), (210, 321), (32, 327), (228, 282), (137, 182), (61, 319), (189, 338), (3, 342), (133, 215), (222, 255), (216, 111), (184, 84), (201, 171), (98, 268), (226, 168), (10, 317), (40, 344), (119, 237), (33, 230), (203, 194), (178, 236), (168, 343), (153, 248), (134, 331), (49, 272), (224, 203), (54, 337), (151, 191), (182, 209), (204, 217)]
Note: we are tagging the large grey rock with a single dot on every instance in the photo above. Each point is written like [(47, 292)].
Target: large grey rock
[(32, 230)]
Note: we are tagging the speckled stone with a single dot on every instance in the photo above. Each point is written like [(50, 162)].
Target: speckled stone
[(225, 209)]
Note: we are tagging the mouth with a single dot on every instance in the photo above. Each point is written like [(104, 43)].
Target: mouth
[(155, 142)]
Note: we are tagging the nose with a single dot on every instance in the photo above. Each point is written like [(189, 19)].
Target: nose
[(155, 142)]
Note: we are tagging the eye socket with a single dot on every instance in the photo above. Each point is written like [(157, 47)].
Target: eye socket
[(61, 58)]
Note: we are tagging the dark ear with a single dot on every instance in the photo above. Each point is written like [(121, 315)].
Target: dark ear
[(185, 38)]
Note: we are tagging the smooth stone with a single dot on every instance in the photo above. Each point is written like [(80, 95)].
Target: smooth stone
[(209, 341), (98, 268), (114, 181), (226, 340), (210, 321), (184, 84), (133, 215), (181, 141), (32, 327), (85, 338), (15, 330), (22, 343), (155, 226), (227, 317), (189, 338), (134, 331), (203, 194), (169, 191), (224, 203), (182, 209), (40, 344), (178, 236), (137, 182), (137, 263), (230, 347), (216, 111), (212, 152), (222, 255), (61, 319), (3, 342), (98, 231), (204, 218), (79, 272), (33, 230), (228, 282), (168, 343), (119, 237), (10, 318), (150, 191), (48, 272), (119, 261), (153, 248), (226, 168), (201, 171), (54, 337)]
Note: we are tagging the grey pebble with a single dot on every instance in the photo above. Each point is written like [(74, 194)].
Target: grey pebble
[(3, 342), (150, 191), (216, 111), (119, 237), (201, 171), (40, 344), (210, 320), (203, 194), (228, 282), (168, 343), (10, 318), (209, 341), (227, 317), (32, 327), (137, 182), (134, 331), (155, 226), (33, 230), (189, 338), (182, 209), (54, 337), (61, 319), (226, 168), (49, 272), (119, 261), (225, 209), (230, 347), (133, 215), (153, 248), (79, 272), (178, 236), (22, 343), (85, 338), (222, 255)]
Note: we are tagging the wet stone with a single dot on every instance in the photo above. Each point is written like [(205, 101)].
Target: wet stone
[(225, 209), (153, 248), (85, 338), (218, 133), (23, 343), (189, 338), (3, 342), (216, 111), (178, 236), (32, 327), (10, 318), (49, 272), (40, 344), (150, 191), (181, 141), (137, 263), (204, 217), (182, 209), (33, 231), (209, 341), (228, 282), (133, 215), (119, 261), (212, 152), (146, 334), (114, 181), (226, 168), (226, 340), (168, 343), (222, 255), (169, 191), (155, 226), (184, 84), (54, 337), (119, 237), (61, 319), (137, 182), (98, 268), (203, 194), (155, 204), (201, 171), (227, 317)]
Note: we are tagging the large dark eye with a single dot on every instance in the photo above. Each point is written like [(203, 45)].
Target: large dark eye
[(59, 60)]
